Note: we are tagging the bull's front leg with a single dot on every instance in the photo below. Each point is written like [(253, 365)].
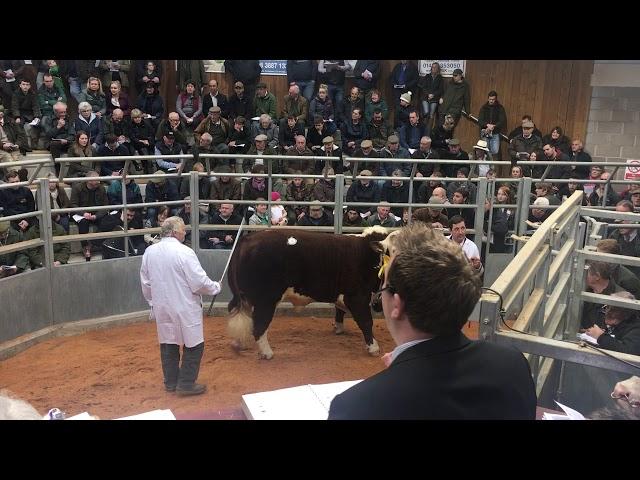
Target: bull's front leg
[(361, 312), (338, 326), (262, 316)]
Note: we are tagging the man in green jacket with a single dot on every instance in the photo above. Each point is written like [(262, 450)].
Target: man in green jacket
[(13, 262), (456, 98), (61, 251)]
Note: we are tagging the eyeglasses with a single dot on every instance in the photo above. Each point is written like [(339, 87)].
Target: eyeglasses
[(392, 290), (238, 87), (633, 403)]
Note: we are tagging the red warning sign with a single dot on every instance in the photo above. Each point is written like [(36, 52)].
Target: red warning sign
[(632, 171)]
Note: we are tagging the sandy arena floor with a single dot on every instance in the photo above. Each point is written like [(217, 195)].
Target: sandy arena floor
[(114, 373)]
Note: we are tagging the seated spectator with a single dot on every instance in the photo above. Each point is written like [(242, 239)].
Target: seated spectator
[(322, 106), (260, 215), (12, 139), (395, 151), (379, 130), (162, 214), (297, 191), (148, 71), (627, 238), (264, 103), (278, 212), (150, 103), (481, 152), (621, 274), (443, 132), (324, 189), (112, 148), (462, 174), (224, 188), (329, 149), (189, 107), (169, 146), (59, 199), (598, 195), (353, 132), (204, 185), (49, 94), (345, 106), (522, 145), (432, 216), (255, 187), (175, 125), (17, 200), (363, 154), (259, 147), (410, 133), (352, 218), (382, 217), (265, 126), (539, 215), (89, 123), (80, 148), (223, 239), (239, 137), (396, 191), (217, 127), (518, 130), (621, 332), (159, 189), (558, 140), (300, 164), (578, 154), (633, 195), (600, 281), (294, 104), (454, 152), (364, 190), (239, 103), (58, 131), (114, 222), (61, 251), (185, 214), (88, 194), (116, 98), (142, 140), (317, 217), (25, 110), (426, 189), (375, 102), (426, 152), (461, 197), (545, 189), (316, 134), (215, 98), (114, 192), (288, 132), (12, 263), (402, 111), (204, 147), (94, 95)]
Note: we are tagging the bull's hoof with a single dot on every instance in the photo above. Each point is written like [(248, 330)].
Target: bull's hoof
[(374, 349), (265, 356), (338, 328), (237, 346)]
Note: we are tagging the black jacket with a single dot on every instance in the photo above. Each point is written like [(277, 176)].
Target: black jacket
[(440, 379)]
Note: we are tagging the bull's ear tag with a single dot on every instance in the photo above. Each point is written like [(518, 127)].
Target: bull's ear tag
[(291, 241), (385, 262)]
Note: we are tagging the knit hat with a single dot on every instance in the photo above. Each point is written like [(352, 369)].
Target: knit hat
[(406, 97), (275, 196)]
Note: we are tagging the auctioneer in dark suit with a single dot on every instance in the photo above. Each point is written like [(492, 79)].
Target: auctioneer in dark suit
[(447, 377)]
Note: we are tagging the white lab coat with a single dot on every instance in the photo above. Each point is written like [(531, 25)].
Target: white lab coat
[(172, 282)]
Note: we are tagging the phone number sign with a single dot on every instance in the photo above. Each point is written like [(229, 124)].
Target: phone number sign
[(446, 66), (273, 67)]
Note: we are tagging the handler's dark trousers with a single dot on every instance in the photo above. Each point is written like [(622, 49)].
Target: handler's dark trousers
[(176, 375)]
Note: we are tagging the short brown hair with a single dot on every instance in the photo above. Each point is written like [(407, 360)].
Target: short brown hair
[(608, 245), (435, 280)]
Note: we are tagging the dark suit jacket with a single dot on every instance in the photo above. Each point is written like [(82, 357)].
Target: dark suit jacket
[(447, 377)]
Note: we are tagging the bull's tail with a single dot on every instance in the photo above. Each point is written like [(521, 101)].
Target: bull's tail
[(239, 320), (240, 324)]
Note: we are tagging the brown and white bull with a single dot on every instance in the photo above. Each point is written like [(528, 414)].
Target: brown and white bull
[(300, 266)]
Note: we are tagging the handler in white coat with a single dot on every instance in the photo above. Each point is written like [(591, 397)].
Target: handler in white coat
[(172, 282)]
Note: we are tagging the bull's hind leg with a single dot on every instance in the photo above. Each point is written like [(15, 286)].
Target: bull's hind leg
[(359, 308), (262, 316)]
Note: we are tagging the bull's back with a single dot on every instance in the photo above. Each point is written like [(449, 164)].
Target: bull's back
[(318, 265)]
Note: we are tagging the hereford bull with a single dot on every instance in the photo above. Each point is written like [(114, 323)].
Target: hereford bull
[(300, 266)]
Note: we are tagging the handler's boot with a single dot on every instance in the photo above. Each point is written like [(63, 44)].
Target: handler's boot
[(170, 358), (189, 369)]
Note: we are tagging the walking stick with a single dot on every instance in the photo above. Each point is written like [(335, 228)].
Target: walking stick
[(224, 272)]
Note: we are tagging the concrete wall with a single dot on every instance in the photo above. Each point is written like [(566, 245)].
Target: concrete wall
[(613, 129)]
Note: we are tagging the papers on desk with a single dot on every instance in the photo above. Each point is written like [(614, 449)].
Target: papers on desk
[(152, 415), (571, 414), (306, 402)]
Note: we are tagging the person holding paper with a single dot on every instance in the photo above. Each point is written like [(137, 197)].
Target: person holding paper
[(621, 329), (435, 372), (26, 112), (173, 281)]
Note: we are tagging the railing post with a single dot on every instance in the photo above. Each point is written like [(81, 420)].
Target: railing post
[(125, 221), (481, 196), (46, 227), (339, 195), (195, 210)]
